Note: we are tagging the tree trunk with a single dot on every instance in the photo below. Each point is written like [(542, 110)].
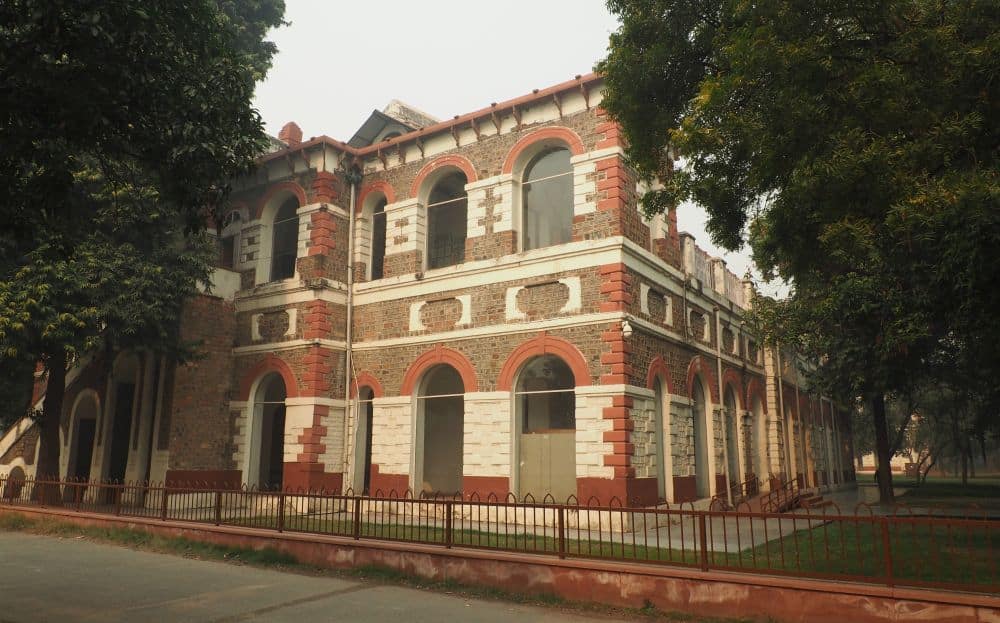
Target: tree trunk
[(48, 448), (883, 453), (928, 470), (965, 466)]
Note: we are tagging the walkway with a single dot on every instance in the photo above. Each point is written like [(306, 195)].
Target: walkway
[(48, 579)]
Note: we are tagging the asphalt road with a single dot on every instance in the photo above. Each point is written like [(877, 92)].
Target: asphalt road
[(52, 579)]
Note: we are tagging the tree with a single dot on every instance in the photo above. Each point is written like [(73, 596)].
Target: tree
[(853, 144), (122, 121)]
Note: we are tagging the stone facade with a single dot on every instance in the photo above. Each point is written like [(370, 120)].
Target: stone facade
[(636, 313)]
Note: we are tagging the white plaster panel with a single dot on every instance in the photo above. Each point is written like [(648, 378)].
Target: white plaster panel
[(466, 318), (590, 427), (511, 311), (415, 323), (392, 435), (487, 434), (575, 298)]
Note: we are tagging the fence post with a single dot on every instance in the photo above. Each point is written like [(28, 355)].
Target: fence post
[(281, 512), (218, 507), (78, 495), (118, 499), (703, 538), (448, 536), (886, 551), (561, 523), (357, 517), (163, 504)]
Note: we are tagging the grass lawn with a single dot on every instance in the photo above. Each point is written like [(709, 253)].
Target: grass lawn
[(920, 553), (949, 491)]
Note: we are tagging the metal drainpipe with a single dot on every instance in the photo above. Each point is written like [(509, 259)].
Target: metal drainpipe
[(722, 401), (779, 382), (353, 177), (802, 429)]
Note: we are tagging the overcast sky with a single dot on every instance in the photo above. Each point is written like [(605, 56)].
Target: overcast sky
[(338, 61)]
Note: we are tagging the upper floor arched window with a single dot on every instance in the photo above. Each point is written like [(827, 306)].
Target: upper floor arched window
[(447, 224), (285, 240), (547, 199), (228, 235), (378, 239)]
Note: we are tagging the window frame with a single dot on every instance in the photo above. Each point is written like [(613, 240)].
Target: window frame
[(543, 149), (430, 208)]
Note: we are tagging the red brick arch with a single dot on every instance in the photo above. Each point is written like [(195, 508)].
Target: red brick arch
[(380, 186), (732, 377), (754, 388), (266, 365), (658, 369), (571, 138), (281, 187), (440, 355), (699, 367), (544, 345), (459, 162), (367, 379)]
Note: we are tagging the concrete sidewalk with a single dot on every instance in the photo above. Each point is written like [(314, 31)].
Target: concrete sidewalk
[(51, 579)]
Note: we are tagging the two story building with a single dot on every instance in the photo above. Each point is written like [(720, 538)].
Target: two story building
[(473, 305)]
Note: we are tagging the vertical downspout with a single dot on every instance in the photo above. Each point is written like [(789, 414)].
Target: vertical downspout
[(353, 177), (802, 431), (779, 381)]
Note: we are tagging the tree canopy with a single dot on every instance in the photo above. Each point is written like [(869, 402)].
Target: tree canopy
[(853, 144), (121, 123)]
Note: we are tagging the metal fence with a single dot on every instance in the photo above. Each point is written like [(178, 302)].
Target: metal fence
[(900, 549)]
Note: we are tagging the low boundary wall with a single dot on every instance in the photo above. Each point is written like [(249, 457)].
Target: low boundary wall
[(706, 593)]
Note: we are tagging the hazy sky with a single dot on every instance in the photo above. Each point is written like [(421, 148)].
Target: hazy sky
[(338, 61)]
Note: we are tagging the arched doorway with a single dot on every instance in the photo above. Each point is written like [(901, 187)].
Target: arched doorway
[(441, 431), (699, 415), (661, 415), (366, 413), (268, 463), (125, 381), (732, 441), (754, 454), (546, 422), (13, 483), (82, 436)]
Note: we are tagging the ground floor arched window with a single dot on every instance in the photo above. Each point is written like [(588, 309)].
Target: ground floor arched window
[(366, 413), (440, 431), (269, 425), (699, 412)]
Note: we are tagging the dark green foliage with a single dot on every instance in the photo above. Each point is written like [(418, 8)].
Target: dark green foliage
[(853, 144), (122, 121)]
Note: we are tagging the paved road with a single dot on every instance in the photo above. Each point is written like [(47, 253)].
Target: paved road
[(49, 579)]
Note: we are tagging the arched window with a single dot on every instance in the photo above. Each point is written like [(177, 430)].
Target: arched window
[(285, 240), (227, 238), (546, 412), (699, 439), (547, 199), (378, 239), (441, 411), (732, 443), (366, 413), (269, 416), (447, 214)]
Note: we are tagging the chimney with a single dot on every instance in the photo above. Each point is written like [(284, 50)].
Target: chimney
[(291, 134)]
